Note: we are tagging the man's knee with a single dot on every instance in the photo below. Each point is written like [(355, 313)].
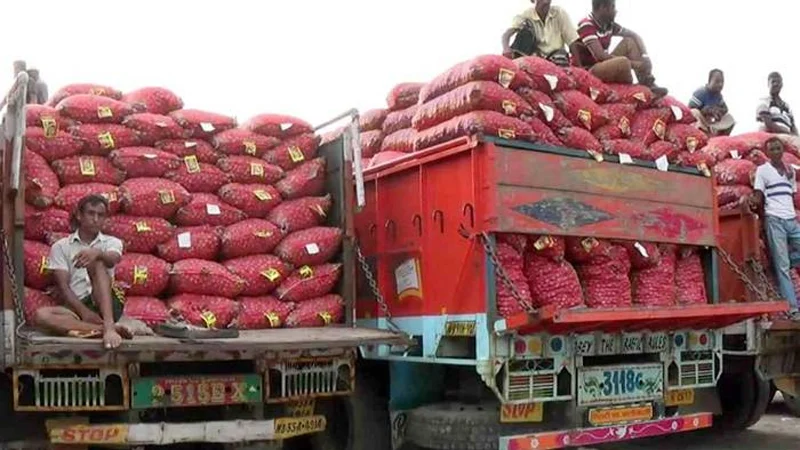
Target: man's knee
[(614, 70)]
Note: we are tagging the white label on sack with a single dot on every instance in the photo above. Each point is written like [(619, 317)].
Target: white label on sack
[(594, 93), (207, 127), (162, 124), (312, 248), (190, 144), (641, 249), (286, 126), (150, 156), (552, 80), (212, 209), (662, 163), (677, 113), (185, 240), (735, 154), (795, 167), (625, 158), (549, 114)]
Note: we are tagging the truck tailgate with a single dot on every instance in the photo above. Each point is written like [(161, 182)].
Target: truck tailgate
[(261, 340)]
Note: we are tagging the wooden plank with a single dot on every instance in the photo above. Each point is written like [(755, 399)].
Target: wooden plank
[(549, 171), (540, 211), (263, 340)]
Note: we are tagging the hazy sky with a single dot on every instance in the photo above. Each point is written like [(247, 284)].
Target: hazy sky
[(315, 59)]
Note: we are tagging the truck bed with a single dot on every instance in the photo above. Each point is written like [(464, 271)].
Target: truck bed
[(143, 348)]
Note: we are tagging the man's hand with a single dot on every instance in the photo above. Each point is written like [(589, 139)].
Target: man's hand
[(89, 316), (111, 338), (86, 257)]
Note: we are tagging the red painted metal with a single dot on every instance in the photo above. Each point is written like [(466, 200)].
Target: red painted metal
[(429, 206), (740, 234)]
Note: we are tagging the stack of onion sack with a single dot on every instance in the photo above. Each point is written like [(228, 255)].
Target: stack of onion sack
[(510, 251), (473, 97), (551, 279), (398, 133), (603, 268)]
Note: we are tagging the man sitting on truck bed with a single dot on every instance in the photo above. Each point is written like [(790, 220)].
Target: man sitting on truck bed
[(775, 114), (709, 107), (775, 186), (596, 32), (83, 268), (544, 31)]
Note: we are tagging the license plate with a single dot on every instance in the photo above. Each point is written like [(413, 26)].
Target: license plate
[(529, 412), (584, 345), (620, 384), (679, 397), (617, 416), (656, 342), (632, 343), (158, 392), (460, 329), (289, 427)]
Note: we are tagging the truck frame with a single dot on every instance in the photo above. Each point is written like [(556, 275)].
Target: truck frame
[(549, 378), (281, 388)]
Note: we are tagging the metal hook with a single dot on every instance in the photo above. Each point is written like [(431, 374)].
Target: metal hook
[(390, 224), (471, 209), (438, 216), (417, 222), (372, 229)]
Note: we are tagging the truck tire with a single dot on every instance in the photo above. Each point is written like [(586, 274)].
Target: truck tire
[(744, 398), (792, 404), (458, 426)]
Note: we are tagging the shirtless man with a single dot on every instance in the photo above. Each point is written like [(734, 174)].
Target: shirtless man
[(83, 267)]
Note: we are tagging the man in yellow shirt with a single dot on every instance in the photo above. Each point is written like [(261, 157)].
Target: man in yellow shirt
[(544, 30)]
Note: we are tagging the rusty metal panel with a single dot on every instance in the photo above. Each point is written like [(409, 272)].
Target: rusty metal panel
[(549, 171), (544, 211)]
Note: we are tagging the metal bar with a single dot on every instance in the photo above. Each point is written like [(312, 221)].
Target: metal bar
[(350, 113)]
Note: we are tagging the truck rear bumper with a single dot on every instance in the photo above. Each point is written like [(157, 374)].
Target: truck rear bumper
[(604, 435), (230, 431)]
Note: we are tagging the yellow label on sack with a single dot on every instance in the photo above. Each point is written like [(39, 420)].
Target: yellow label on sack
[(87, 167), (50, 127), (166, 197), (250, 147), (506, 133), (585, 117), (257, 170), (543, 242), (660, 128), (596, 155), (691, 144), (318, 209), (209, 319), (509, 107), (306, 272), (505, 77), (296, 154), (43, 266), (263, 234), (104, 112), (326, 317), (97, 91), (139, 274), (589, 243), (702, 167), (641, 96), (271, 274), (106, 140), (142, 227), (262, 195), (110, 196), (624, 125), (192, 165), (273, 319)]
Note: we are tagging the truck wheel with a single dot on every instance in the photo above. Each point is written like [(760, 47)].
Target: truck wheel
[(792, 404), (744, 398), (456, 426)]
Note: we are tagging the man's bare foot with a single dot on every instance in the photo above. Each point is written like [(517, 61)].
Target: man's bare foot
[(113, 338), (124, 332)]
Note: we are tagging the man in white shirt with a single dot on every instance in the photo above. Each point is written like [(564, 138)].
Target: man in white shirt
[(775, 186), (551, 29), (83, 268)]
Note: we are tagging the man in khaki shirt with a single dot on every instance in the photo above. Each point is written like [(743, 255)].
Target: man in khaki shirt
[(83, 268), (551, 27)]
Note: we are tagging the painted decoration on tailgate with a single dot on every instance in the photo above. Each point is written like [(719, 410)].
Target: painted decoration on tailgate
[(564, 213)]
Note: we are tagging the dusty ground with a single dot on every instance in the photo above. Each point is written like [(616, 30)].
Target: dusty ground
[(777, 430)]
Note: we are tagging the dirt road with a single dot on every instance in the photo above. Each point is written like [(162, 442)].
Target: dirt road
[(778, 430)]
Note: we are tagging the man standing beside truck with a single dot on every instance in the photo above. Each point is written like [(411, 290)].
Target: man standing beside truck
[(775, 186), (543, 30), (592, 52), (83, 268), (709, 107)]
